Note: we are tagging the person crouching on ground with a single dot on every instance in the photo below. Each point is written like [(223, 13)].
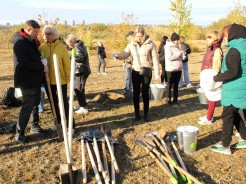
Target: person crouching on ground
[(144, 53), (81, 60)]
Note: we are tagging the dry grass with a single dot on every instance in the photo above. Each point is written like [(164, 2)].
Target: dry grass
[(39, 160)]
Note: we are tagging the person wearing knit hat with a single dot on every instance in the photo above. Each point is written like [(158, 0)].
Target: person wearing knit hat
[(174, 66)]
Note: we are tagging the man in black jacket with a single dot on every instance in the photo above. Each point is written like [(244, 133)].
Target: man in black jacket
[(28, 77)]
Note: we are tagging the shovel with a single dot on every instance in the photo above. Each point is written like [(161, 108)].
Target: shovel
[(113, 159), (148, 150), (173, 137), (68, 174), (58, 126), (182, 171), (163, 149)]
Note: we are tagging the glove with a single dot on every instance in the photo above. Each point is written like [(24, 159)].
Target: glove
[(44, 61), (115, 56)]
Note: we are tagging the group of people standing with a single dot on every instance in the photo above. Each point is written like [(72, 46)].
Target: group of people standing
[(34, 67)]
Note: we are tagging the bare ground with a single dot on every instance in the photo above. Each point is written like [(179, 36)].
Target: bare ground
[(40, 159)]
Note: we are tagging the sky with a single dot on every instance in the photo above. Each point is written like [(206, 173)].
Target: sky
[(153, 12)]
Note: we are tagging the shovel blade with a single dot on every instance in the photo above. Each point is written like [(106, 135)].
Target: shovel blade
[(64, 174)]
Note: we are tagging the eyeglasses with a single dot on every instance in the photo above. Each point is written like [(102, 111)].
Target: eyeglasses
[(209, 37)]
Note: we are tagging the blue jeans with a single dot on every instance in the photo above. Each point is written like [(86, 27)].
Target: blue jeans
[(128, 79), (185, 74)]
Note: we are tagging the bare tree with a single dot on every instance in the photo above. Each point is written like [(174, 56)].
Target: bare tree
[(181, 14)]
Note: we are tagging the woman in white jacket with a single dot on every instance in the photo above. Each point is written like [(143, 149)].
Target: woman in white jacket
[(174, 66)]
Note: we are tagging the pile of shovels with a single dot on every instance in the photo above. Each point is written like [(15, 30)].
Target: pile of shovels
[(172, 164), (93, 137)]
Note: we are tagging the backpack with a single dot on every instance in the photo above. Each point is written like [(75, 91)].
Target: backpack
[(9, 99)]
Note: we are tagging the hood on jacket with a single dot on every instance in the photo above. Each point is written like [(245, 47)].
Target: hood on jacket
[(170, 44), (16, 36), (79, 43), (236, 31)]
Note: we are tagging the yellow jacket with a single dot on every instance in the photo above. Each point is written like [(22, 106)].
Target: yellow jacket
[(63, 60)]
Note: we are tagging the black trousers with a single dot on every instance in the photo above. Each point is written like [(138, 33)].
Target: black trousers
[(137, 81), (56, 102), (80, 90), (163, 73), (29, 110), (230, 117), (173, 82)]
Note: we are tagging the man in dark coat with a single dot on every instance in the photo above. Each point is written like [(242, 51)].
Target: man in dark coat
[(28, 77)]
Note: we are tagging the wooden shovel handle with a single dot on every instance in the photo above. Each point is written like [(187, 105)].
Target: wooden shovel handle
[(96, 150), (173, 180), (181, 170), (112, 167), (162, 149), (99, 162), (105, 161), (112, 155), (178, 156), (83, 161), (93, 164), (58, 126)]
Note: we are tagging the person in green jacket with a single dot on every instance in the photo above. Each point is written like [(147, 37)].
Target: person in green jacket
[(233, 96)]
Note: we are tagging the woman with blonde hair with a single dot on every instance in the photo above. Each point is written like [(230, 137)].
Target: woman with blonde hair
[(145, 57), (211, 60), (53, 45)]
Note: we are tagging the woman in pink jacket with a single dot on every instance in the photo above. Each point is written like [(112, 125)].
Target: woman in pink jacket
[(173, 66)]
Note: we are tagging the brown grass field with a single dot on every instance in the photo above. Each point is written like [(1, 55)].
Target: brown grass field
[(38, 161)]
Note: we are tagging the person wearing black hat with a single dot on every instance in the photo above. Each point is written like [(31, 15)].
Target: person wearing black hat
[(128, 65), (173, 66), (28, 77)]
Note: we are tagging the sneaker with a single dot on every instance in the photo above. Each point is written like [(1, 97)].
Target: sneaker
[(237, 134), (221, 149), (37, 129), (104, 73), (21, 138), (98, 73), (189, 86), (54, 128), (76, 107), (204, 121), (240, 144), (82, 110)]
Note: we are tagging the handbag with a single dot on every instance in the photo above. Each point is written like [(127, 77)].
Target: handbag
[(145, 71), (82, 71)]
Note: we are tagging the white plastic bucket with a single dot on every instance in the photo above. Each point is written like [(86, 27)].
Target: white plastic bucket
[(156, 91), (187, 138), (202, 97)]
